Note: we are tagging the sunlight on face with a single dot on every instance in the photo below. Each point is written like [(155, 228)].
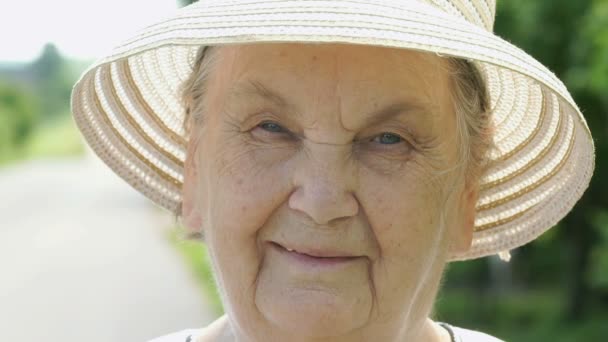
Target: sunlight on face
[(321, 176)]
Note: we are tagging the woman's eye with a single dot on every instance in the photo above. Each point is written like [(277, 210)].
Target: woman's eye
[(271, 131), (272, 127), (387, 139)]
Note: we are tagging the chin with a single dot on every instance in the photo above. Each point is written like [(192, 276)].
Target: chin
[(315, 312)]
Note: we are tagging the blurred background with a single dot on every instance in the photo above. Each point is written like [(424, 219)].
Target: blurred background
[(83, 257), (95, 261)]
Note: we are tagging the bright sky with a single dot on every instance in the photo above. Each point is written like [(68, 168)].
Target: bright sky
[(83, 29)]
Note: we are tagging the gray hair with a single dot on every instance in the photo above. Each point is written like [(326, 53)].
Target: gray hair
[(194, 88), (473, 114)]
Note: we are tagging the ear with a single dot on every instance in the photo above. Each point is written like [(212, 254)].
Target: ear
[(463, 234), (191, 215)]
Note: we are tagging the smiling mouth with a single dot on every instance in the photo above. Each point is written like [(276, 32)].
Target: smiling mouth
[(314, 258)]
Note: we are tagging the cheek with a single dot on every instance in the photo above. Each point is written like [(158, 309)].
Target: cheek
[(240, 194), (403, 212), (242, 191)]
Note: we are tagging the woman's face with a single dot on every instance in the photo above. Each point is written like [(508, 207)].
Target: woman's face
[(320, 180)]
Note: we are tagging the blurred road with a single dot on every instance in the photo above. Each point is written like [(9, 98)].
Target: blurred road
[(83, 257)]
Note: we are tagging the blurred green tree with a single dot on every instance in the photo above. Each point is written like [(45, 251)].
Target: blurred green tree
[(17, 118), (182, 3), (571, 38), (51, 78)]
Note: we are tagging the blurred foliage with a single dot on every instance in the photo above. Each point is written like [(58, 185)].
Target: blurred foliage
[(18, 116), (52, 82), (527, 316), (183, 3), (34, 108), (57, 138), (197, 259), (556, 288)]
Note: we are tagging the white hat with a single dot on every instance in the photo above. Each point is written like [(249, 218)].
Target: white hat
[(128, 104)]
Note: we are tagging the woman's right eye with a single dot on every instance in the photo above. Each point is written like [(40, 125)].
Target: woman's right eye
[(272, 127)]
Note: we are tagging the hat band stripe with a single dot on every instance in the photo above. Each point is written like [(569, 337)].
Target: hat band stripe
[(135, 125), (536, 184), (526, 65), (530, 137), (533, 161), (113, 152), (511, 105), (480, 43), (464, 9), (532, 67), (164, 175), (495, 80), (531, 152), (531, 187), (273, 8), (186, 26), (126, 70), (140, 112)]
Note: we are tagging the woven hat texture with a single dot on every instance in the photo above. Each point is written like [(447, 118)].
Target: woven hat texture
[(127, 105)]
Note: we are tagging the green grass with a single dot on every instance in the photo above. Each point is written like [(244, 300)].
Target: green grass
[(525, 316), (59, 138), (195, 256)]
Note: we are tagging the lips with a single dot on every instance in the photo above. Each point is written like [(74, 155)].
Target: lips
[(315, 256)]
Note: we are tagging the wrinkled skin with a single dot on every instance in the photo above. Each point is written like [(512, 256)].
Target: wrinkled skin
[(328, 150)]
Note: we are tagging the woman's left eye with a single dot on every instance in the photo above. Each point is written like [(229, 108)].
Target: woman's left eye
[(271, 131), (387, 139)]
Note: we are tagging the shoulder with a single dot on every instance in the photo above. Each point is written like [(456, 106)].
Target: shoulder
[(466, 335), (213, 332), (179, 336)]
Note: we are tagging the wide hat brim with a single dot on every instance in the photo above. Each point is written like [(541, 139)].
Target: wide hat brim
[(127, 105)]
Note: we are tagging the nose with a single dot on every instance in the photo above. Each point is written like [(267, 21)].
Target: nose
[(324, 181)]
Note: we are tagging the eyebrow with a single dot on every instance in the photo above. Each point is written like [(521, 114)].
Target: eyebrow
[(395, 109), (256, 88)]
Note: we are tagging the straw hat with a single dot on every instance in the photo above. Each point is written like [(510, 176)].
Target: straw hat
[(128, 107)]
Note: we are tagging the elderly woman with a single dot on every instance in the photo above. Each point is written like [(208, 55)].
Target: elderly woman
[(335, 155)]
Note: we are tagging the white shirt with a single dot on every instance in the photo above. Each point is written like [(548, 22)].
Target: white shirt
[(460, 335)]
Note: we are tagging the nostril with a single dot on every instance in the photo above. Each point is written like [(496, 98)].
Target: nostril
[(324, 204)]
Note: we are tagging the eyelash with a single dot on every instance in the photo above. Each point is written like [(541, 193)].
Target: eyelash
[(388, 135), (271, 127), (277, 128)]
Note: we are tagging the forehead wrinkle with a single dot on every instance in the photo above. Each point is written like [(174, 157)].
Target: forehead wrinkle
[(330, 91), (391, 111), (395, 109), (256, 88), (324, 77), (338, 76)]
